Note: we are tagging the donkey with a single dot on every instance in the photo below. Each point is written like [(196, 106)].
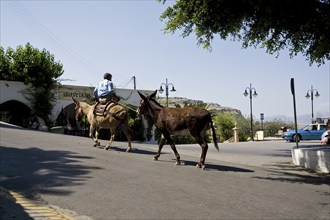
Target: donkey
[(115, 115), (179, 121)]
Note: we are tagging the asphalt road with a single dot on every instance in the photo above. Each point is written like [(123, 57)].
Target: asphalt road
[(254, 180)]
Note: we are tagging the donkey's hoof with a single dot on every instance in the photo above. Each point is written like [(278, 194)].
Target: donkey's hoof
[(202, 166), (106, 148), (155, 158), (178, 163), (128, 150)]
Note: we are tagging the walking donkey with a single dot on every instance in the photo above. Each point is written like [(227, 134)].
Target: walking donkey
[(179, 121), (114, 115)]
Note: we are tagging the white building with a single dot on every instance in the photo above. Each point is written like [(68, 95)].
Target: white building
[(15, 108)]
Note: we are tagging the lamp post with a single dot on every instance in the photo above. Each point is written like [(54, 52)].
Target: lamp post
[(252, 92), (311, 91), (161, 90)]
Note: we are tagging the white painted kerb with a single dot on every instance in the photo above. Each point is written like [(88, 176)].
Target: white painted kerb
[(315, 158)]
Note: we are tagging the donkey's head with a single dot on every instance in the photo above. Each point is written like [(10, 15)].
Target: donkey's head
[(79, 112), (145, 102)]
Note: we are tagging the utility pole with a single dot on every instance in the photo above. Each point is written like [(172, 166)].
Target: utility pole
[(134, 82)]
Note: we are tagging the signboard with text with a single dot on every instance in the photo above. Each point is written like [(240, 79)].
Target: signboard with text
[(78, 92)]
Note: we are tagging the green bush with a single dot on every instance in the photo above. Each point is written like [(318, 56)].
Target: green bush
[(224, 123)]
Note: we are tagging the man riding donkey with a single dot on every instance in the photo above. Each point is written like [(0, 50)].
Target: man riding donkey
[(105, 95), (107, 113)]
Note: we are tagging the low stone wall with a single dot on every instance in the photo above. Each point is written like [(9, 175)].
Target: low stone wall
[(316, 158)]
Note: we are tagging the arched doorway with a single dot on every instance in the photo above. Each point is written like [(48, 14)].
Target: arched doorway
[(15, 112)]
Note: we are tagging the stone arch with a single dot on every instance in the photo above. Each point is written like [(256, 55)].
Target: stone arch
[(15, 112)]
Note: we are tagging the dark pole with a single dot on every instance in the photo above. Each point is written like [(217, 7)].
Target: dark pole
[(312, 98), (251, 119), (134, 82), (294, 108), (161, 90), (262, 121), (246, 93), (166, 92)]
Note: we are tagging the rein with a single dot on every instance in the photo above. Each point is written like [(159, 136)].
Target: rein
[(115, 115), (126, 106)]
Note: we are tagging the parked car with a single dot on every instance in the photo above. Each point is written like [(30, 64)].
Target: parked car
[(309, 132)]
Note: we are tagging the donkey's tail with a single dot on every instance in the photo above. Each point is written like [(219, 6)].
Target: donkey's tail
[(214, 134)]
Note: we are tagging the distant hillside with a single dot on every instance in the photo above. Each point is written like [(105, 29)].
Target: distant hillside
[(301, 119), (212, 107)]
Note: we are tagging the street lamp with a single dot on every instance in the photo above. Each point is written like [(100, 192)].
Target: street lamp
[(161, 90), (312, 98), (250, 91)]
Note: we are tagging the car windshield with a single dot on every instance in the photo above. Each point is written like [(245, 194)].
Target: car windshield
[(310, 127), (307, 127), (314, 127)]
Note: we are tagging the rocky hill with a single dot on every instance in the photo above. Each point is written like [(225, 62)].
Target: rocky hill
[(212, 107)]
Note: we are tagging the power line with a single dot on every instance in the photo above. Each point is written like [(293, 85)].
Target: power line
[(53, 41)]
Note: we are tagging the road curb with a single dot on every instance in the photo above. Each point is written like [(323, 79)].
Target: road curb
[(315, 158), (16, 206)]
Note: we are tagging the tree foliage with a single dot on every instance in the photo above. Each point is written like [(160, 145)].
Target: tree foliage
[(302, 26), (36, 68), (270, 128), (224, 123)]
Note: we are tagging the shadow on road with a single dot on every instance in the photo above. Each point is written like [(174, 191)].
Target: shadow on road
[(31, 171), (215, 167), (287, 172), (281, 153), (134, 151)]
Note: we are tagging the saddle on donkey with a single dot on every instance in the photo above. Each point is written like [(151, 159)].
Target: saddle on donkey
[(100, 108)]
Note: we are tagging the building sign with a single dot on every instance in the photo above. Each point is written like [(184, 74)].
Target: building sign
[(78, 92)]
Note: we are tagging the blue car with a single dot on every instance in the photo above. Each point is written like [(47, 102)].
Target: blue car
[(309, 132)]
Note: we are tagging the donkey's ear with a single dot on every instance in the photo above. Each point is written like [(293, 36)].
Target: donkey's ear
[(152, 95), (142, 96), (75, 100)]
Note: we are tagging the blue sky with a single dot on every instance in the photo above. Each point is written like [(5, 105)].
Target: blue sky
[(126, 39)]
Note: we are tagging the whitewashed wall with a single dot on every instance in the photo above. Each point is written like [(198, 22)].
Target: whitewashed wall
[(12, 90)]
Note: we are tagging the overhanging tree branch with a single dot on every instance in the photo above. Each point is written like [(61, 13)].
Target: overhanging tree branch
[(301, 26)]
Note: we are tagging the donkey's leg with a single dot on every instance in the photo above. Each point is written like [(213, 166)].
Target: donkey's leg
[(127, 131), (93, 135), (112, 137), (91, 131), (171, 142), (177, 155), (201, 163), (203, 143), (160, 147), (96, 137)]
